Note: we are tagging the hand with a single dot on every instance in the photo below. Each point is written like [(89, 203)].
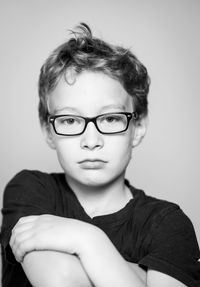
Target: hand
[(48, 232)]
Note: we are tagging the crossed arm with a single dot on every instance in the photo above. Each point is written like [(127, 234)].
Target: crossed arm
[(61, 252)]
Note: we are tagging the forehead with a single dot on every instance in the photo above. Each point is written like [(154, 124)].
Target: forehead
[(91, 93)]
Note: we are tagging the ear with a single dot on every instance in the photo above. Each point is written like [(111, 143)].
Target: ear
[(140, 130), (48, 136)]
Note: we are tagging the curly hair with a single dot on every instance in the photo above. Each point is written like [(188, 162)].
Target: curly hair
[(84, 52)]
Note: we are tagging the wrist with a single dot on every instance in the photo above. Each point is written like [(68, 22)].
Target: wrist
[(88, 239)]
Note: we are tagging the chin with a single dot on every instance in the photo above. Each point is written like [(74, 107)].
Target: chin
[(94, 182), (98, 179), (94, 178)]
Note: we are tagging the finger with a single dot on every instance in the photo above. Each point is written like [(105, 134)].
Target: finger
[(21, 227), (21, 250), (21, 245), (18, 229), (28, 218), (18, 237), (22, 222)]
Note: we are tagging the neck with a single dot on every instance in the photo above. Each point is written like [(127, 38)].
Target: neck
[(104, 199)]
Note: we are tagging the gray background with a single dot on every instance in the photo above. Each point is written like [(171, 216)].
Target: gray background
[(163, 34)]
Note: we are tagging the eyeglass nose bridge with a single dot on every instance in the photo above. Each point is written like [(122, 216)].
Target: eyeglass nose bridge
[(93, 120)]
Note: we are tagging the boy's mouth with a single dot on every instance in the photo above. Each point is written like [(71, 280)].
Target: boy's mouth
[(92, 163)]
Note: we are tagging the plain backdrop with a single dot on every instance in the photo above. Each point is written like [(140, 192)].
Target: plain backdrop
[(165, 35)]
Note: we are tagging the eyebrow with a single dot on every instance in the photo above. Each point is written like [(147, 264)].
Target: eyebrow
[(58, 110), (75, 110), (117, 107)]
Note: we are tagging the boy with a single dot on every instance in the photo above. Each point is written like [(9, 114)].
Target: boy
[(88, 226)]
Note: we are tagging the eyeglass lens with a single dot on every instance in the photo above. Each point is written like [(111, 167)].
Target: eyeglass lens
[(107, 123)]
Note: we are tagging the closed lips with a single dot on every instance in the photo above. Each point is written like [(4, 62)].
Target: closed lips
[(92, 160)]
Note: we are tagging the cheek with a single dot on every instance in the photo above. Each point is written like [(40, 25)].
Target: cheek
[(66, 151), (126, 152), (121, 149)]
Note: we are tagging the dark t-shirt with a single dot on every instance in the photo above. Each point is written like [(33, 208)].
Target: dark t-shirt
[(154, 233)]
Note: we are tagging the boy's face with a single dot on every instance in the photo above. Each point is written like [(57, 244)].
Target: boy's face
[(92, 158)]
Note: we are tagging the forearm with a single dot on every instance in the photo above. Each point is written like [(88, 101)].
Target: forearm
[(54, 269), (100, 259), (105, 266), (139, 271)]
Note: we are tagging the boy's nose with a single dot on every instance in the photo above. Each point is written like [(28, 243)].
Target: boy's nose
[(91, 138)]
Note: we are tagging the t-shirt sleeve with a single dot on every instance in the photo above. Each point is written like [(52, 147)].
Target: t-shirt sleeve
[(174, 249), (26, 194)]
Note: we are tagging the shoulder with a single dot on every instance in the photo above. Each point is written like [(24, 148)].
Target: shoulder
[(32, 177), (169, 241), (162, 219), (164, 214), (173, 248), (31, 186), (29, 192), (151, 209)]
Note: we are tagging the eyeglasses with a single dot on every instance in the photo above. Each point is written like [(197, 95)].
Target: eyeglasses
[(110, 123)]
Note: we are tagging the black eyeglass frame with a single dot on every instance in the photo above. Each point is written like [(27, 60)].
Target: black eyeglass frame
[(129, 116)]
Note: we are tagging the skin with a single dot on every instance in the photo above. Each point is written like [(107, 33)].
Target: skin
[(91, 95), (55, 250)]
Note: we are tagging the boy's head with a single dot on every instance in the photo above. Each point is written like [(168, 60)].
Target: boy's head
[(83, 52), (93, 102)]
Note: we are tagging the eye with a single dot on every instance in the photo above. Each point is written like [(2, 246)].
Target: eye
[(111, 118), (69, 120)]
